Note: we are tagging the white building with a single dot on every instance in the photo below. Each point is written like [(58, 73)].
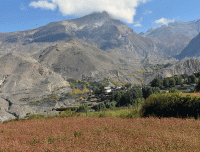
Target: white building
[(106, 90)]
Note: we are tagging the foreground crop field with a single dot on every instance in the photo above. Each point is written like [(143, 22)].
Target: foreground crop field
[(101, 134), (197, 94)]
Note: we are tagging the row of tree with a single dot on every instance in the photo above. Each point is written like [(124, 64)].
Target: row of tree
[(125, 98), (171, 82)]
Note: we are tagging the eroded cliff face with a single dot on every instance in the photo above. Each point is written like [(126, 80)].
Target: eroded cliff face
[(185, 66)]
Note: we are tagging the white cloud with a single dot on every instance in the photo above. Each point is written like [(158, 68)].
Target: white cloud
[(147, 12), (164, 21), (43, 4), (138, 25), (119, 9)]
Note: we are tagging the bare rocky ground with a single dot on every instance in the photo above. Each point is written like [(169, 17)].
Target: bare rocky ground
[(23, 109), (25, 78)]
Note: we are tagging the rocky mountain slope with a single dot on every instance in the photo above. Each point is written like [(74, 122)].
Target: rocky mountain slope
[(99, 29), (77, 59), (185, 66), (25, 78), (21, 74), (120, 49), (191, 50), (172, 39)]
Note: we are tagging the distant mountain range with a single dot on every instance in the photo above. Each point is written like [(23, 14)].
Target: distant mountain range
[(174, 37)]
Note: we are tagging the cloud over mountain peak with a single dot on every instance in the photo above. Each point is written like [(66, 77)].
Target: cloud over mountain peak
[(122, 9)]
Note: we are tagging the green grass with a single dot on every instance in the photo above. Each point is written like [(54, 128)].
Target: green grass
[(122, 112)]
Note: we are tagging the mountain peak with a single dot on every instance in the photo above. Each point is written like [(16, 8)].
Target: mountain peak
[(103, 13), (96, 19), (99, 15)]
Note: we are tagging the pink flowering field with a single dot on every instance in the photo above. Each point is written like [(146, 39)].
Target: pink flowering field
[(85, 134)]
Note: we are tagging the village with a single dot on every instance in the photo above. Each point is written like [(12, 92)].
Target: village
[(96, 97)]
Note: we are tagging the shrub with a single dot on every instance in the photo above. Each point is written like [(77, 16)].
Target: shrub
[(83, 108), (193, 90), (99, 107), (171, 105), (164, 92), (36, 116), (110, 105), (138, 102), (106, 78), (66, 113), (173, 90)]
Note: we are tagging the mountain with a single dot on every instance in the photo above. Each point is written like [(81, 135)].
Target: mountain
[(25, 78), (36, 62), (192, 49), (99, 29), (171, 39), (115, 46), (78, 59), (185, 66)]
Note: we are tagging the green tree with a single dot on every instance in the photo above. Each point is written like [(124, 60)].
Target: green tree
[(124, 98), (157, 82), (192, 79), (128, 84), (166, 82), (197, 87), (155, 90), (172, 82), (197, 74), (117, 96), (130, 96), (173, 90), (104, 84), (178, 80), (147, 91)]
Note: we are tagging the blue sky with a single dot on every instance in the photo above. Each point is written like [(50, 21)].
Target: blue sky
[(141, 15)]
